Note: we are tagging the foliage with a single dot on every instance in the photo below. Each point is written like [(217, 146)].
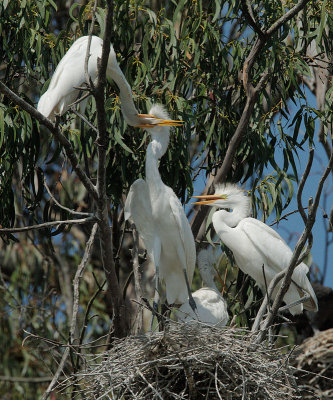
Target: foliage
[(187, 55)]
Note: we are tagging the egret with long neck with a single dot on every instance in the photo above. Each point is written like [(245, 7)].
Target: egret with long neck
[(70, 75), (161, 220), (259, 251)]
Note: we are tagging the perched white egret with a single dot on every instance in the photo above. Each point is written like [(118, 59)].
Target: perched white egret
[(70, 74), (211, 306), (161, 221), (254, 245)]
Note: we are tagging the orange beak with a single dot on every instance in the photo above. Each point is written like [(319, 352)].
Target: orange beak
[(157, 121), (209, 198)]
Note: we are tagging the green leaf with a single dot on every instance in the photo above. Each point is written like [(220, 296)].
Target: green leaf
[(119, 140)]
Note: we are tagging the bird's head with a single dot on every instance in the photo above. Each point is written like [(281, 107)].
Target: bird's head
[(226, 196), (156, 118)]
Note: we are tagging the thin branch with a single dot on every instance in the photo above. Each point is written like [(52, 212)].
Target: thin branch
[(302, 183), (84, 119), (63, 207), (248, 13), (86, 61), (26, 379), (73, 326), (137, 280), (49, 224)]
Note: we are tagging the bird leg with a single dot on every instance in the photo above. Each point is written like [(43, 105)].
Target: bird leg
[(156, 297), (190, 297)]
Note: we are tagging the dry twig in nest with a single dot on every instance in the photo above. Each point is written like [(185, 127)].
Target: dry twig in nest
[(188, 362)]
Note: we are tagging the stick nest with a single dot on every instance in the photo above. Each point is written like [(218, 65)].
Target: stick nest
[(314, 360), (188, 362)]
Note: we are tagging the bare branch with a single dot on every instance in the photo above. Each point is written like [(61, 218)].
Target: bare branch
[(26, 379), (86, 61), (84, 119), (301, 185), (49, 224), (137, 281), (63, 207)]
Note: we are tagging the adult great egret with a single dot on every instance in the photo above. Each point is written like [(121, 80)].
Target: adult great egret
[(161, 221), (254, 244), (70, 74), (211, 306)]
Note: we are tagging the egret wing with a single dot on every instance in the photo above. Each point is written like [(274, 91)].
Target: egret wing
[(277, 254), (138, 208), (268, 243), (69, 74), (185, 234)]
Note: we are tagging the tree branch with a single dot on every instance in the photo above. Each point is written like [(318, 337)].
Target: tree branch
[(63, 207), (137, 281), (49, 224), (119, 311)]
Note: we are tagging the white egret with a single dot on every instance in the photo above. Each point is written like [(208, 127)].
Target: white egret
[(254, 245), (70, 74), (161, 221), (211, 306)]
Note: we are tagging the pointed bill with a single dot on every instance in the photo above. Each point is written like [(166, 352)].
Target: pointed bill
[(209, 198), (149, 121)]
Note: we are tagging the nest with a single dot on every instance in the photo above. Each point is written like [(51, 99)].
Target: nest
[(314, 361), (188, 362)]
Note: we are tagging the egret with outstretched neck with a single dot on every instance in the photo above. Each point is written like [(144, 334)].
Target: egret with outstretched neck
[(259, 251), (70, 75), (161, 221)]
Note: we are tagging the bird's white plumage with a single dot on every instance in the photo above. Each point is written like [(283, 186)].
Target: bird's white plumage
[(70, 74), (254, 244), (173, 245), (138, 207), (211, 306)]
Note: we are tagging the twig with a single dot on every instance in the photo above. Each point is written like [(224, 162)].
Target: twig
[(73, 325), (63, 207), (48, 224), (84, 119), (86, 61), (26, 379), (137, 280)]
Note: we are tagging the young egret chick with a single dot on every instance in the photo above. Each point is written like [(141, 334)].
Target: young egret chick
[(70, 74), (161, 221), (254, 245), (211, 306)]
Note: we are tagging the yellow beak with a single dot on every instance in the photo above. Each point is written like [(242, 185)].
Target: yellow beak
[(210, 198), (157, 121)]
